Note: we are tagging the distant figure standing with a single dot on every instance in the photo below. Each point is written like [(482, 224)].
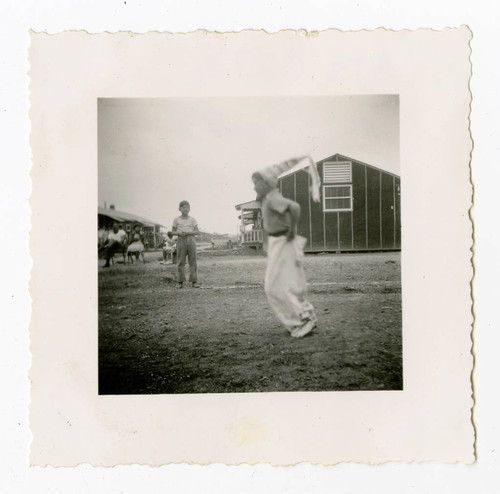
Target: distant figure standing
[(285, 283), (185, 227)]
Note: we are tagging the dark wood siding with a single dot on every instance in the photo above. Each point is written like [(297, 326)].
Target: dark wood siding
[(331, 231), (302, 197), (387, 212), (397, 183), (373, 208), (345, 230), (317, 230), (359, 206), (287, 187)]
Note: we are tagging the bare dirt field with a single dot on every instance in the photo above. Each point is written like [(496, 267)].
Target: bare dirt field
[(154, 338)]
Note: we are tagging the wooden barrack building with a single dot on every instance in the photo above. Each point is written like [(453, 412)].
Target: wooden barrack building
[(360, 208), (150, 230)]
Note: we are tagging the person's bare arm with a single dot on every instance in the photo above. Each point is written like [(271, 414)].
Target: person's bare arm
[(176, 232), (195, 232), (293, 211)]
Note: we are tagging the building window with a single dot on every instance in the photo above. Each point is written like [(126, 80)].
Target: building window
[(337, 172), (337, 197)]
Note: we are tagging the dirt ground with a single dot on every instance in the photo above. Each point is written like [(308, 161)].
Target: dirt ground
[(222, 337)]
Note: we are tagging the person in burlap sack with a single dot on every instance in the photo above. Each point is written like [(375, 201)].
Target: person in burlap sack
[(285, 283)]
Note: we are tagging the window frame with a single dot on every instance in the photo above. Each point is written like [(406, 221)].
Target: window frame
[(342, 197)]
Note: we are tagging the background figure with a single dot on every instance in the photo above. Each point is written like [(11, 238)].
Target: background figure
[(116, 242), (102, 236), (186, 228), (135, 250), (169, 249)]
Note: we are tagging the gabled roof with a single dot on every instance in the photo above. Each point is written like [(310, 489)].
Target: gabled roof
[(333, 157), (346, 158), (123, 216)]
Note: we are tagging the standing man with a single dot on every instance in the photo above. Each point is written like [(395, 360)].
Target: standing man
[(186, 228)]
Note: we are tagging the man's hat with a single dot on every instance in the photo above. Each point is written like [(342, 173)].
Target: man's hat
[(271, 173)]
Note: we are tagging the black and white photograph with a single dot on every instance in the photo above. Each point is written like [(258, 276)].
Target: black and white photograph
[(283, 249), (249, 244)]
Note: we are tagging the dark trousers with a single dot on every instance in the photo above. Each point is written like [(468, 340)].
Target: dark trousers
[(186, 247), (113, 248)]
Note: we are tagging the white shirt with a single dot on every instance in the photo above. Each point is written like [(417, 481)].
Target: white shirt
[(119, 236), (184, 225)]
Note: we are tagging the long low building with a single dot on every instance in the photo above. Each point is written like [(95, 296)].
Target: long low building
[(360, 208), (150, 230)]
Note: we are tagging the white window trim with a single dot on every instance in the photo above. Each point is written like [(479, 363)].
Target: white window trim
[(343, 197)]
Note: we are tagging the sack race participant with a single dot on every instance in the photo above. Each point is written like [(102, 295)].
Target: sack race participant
[(285, 284)]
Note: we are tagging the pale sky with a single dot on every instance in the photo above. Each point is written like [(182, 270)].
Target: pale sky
[(153, 153)]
